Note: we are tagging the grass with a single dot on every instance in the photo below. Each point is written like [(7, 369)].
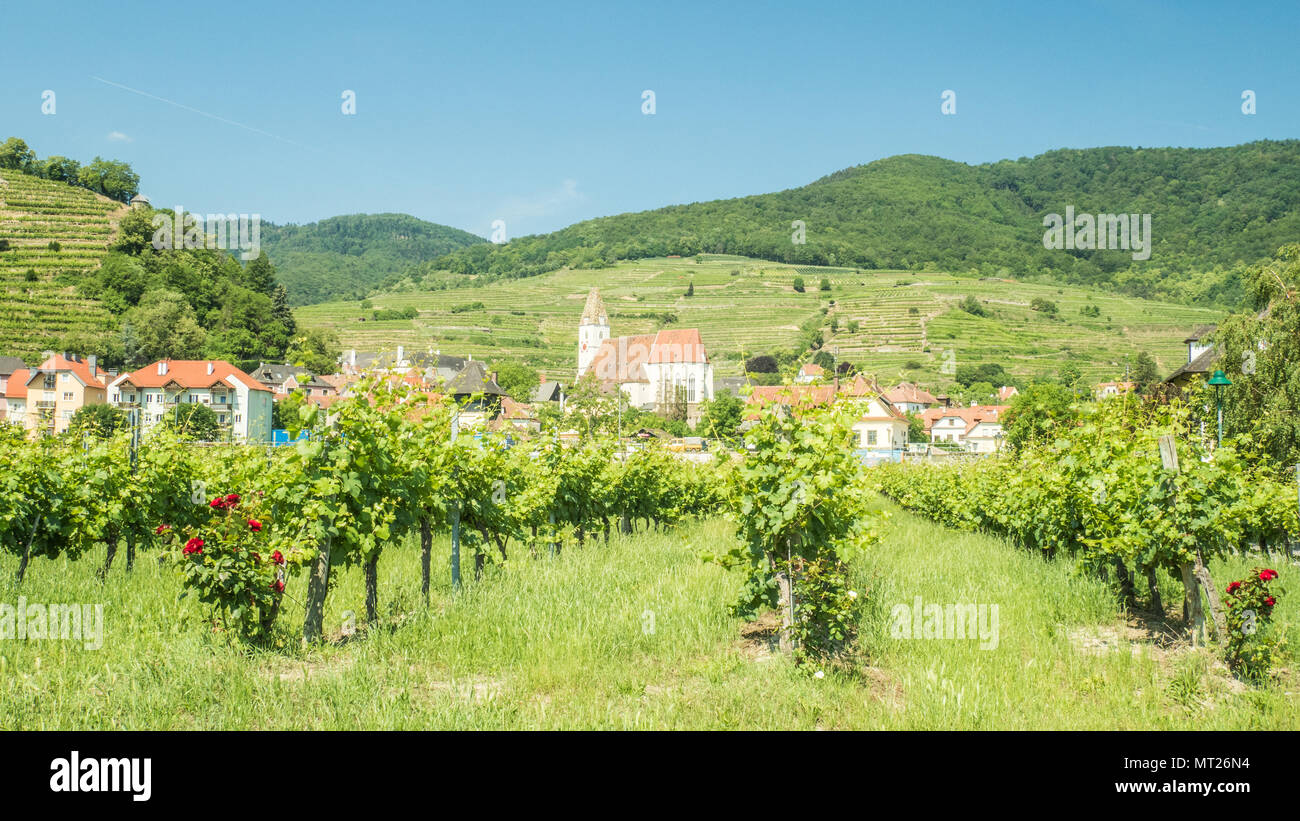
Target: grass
[(903, 317), (37, 314), (570, 643)]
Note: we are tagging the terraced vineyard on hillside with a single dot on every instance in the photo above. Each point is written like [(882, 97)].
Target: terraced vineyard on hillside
[(891, 323), (39, 303)]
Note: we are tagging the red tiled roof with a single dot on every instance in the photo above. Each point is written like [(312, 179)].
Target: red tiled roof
[(81, 369), (971, 416), (811, 369), (680, 345), (191, 373), (907, 393), (622, 359), (17, 385)]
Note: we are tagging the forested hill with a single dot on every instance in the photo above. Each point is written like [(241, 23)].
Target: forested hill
[(345, 257), (1211, 210)]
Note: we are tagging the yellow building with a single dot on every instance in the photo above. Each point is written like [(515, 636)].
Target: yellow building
[(44, 399)]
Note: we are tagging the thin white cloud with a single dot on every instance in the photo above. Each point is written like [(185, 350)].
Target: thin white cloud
[(544, 204), (119, 137)]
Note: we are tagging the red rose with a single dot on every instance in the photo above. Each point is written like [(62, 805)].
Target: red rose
[(1267, 575), (193, 546), (1232, 588), (1270, 601), (254, 525), (218, 503), (232, 499), (277, 586), (277, 557), (162, 528)]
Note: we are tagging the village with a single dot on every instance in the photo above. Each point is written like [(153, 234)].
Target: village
[(661, 373)]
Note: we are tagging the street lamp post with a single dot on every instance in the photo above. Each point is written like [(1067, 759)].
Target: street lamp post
[(1219, 381)]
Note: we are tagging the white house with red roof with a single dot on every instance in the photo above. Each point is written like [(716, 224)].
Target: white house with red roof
[(241, 403), (977, 428), (909, 398), (653, 370), (810, 372)]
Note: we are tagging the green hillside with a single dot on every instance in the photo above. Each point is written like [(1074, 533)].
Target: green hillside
[(1211, 209), (906, 322), (345, 257), (41, 306)]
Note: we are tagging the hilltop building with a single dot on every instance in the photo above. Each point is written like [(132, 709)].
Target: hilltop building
[(656, 371)]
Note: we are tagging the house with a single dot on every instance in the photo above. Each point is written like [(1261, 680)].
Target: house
[(477, 393), (909, 398), (1201, 355), (44, 399), (9, 366), (977, 428), (810, 372), (882, 427), (548, 390), (1006, 392), (656, 371), (241, 403), (1105, 390), (285, 379), (15, 398), (517, 415)]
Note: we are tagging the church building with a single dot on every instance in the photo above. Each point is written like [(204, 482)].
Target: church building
[(664, 371)]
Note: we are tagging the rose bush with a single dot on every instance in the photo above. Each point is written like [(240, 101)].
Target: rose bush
[(221, 563), (1253, 645)]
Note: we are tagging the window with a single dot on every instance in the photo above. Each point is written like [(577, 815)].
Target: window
[(237, 418), (871, 437), (67, 377), (116, 398), (67, 396)]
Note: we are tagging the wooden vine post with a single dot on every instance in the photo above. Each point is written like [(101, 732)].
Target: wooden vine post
[(1196, 575)]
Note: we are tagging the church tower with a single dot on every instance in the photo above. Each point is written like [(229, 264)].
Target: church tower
[(593, 329)]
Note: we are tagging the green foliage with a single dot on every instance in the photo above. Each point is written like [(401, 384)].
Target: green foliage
[(349, 256), (1038, 414), (972, 306), (315, 349), (721, 415), (100, 419), (799, 503), (516, 379), (825, 284), (194, 421), (1044, 305), (798, 284)]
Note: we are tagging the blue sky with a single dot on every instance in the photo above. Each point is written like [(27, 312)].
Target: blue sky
[(532, 112)]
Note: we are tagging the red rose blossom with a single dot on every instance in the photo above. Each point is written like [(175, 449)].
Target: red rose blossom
[(232, 499), (277, 557), (1232, 588), (277, 586), (162, 528), (1267, 575), (1270, 601), (193, 546), (254, 525)]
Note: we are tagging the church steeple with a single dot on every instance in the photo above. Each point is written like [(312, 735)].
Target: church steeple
[(594, 312), (593, 329)]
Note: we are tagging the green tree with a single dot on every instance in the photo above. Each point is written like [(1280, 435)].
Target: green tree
[(1037, 414), (259, 275), (690, 289), (1144, 372), (1070, 374), (721, 415), (316, 349), (972, 306), (798, 284), (162, 326), (100, 419), (195, 421), (825, 285), (516, 379), (916, 428), (15, 154)]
